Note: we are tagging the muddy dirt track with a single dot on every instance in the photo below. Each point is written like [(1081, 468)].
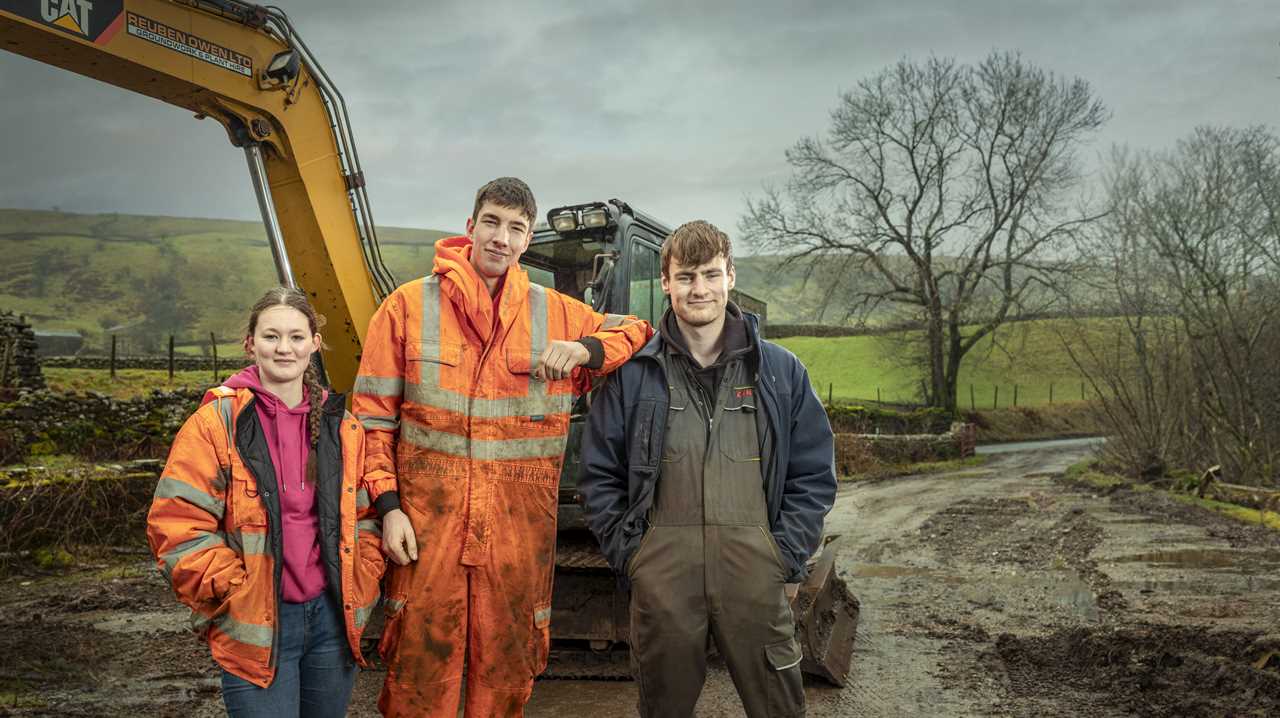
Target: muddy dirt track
[(999, 591)]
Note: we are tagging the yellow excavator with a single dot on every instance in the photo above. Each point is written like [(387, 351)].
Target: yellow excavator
[(245, 67)]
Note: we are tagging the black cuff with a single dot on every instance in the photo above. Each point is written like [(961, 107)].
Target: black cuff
[(387, 502), (596, 351)]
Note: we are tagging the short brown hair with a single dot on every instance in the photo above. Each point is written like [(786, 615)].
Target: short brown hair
[(509, 192), (695, 243)]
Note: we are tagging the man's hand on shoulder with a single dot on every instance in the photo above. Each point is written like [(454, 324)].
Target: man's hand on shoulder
[(559, 360)]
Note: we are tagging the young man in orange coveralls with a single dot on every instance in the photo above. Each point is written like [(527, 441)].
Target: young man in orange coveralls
[(464, 390)]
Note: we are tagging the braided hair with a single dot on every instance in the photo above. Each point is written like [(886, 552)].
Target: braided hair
[(295, 299)]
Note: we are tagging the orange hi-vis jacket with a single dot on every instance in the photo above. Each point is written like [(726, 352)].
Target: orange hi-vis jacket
[(452, 412), (215, 530)]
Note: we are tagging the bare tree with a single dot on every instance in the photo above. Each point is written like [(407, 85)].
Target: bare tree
[(944, 189), (1193, 235)]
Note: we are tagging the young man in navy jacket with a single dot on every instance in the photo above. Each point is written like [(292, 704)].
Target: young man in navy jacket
[(708, 468)]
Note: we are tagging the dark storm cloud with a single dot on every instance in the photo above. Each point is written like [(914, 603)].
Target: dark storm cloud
[(681, 108)]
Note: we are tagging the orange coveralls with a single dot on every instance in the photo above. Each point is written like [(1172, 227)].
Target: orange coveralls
[(450, 409)]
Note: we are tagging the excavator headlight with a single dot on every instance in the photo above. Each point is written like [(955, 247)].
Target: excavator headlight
[(565, 222), (283, 68), (595, 218)]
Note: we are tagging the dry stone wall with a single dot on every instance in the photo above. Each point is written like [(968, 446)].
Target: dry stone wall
[(19, 364), (92, 426)]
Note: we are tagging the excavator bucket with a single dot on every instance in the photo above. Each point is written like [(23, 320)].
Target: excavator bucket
[(826, 616)]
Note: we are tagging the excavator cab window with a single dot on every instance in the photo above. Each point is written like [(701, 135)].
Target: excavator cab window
[(565, 265), (646, 297)]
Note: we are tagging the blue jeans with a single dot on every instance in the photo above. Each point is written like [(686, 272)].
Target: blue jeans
[(314, 667)]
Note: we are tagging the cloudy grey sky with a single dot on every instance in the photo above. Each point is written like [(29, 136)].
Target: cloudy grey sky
[(682, 108)]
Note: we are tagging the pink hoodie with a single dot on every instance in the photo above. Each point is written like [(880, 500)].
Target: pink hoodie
[(288, 439)]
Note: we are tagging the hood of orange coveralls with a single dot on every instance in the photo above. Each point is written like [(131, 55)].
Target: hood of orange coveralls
[(463, 284)]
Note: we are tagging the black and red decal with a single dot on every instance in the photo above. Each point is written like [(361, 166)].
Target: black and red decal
[(94, 20)]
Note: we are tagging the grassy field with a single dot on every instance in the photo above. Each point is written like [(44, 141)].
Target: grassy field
[(850, 368), (1030, 355), (128, 384)]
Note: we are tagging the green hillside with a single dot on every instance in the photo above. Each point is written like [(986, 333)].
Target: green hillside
[(145, 277)]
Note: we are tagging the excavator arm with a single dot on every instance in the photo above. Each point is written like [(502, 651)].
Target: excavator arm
[(244, 66)]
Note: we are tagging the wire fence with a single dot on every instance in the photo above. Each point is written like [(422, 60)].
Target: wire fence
[(970, 396)]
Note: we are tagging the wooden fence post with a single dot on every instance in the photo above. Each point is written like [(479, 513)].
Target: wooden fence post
[(1050, 392), (1081, 391), (877, 396), (1015, 395), (170, 357), (995, 402), (10, 350), (973, 404), (213, 342), (113, 356), (830, 393)]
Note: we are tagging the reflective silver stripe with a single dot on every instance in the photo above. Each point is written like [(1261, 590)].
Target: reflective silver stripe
[(379, 386), (248, 633), (372, 526), (429, 371), (393, 605), (542, 614), (253, 544), (789, 665), (482, 449), (537, 403), (251, 634), (170, 488), (362, 499), (224, 408), (538, 341), (614, 320), (537, 324), (363, 612), (206, 540), (390, 423), (198, 621)]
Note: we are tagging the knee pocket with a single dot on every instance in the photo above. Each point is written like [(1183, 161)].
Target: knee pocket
[(786, 687), (540, 637)]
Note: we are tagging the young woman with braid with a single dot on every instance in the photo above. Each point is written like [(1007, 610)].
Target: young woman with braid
[(263, 526)]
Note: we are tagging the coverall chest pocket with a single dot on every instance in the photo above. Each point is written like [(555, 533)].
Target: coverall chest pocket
[(423, 364), (683, 425), (434, 352), (544, 399), (739, 440)]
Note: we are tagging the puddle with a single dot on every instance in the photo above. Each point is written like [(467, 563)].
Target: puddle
[(1075, 595), (877, 570), (1132, 521), (131, 623), (1203, 558)]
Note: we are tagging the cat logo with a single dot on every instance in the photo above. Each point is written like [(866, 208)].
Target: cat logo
[(70, 15), (93, 20)]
